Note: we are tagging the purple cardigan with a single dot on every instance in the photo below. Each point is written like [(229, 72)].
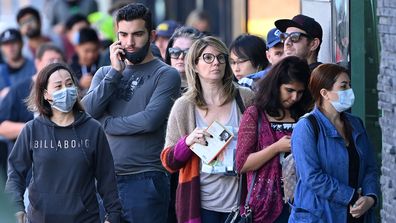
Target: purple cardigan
[(266, 199)]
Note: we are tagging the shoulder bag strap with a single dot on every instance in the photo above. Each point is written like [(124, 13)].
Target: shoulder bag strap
[(315, 125), (239, 101)]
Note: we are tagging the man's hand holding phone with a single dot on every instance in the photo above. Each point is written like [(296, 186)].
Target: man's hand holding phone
[(117, 56)]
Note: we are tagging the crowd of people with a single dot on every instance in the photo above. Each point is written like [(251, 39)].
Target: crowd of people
[(99, 131)]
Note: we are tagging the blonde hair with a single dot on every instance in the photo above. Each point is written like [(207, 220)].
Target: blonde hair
[(194, 92)]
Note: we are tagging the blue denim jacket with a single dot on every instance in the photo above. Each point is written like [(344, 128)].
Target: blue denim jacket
[(322, 192)]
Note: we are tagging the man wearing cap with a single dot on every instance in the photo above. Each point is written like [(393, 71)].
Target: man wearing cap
[(274, 55), (164, 33), (15, 66), (302, 37)]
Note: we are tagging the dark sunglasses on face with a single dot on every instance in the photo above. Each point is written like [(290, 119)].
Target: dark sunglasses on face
[(209, 58), (294, 36), (176, 52)]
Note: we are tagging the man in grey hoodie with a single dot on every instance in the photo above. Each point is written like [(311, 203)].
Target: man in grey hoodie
[(132, 98)]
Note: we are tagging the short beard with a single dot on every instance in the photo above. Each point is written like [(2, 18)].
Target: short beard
[(33, 33)]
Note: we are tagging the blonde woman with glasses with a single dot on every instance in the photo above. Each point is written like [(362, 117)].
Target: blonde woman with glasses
[(206, 192)]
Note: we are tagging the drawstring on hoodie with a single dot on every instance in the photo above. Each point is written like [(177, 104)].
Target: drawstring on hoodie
[(82, 144), (78, 140)]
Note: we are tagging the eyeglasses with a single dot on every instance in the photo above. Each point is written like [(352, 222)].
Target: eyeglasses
[(29, 20), (209, 58), (237, 62), (294, 36), (175, 53)]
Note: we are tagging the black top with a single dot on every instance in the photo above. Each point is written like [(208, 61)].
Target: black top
[(353, 168)]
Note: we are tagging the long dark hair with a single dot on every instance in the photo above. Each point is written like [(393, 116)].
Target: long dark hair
[(290, 69), (36, 101)]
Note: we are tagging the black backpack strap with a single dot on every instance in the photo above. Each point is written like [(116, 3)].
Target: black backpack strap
[(315, 125), (239, 101)]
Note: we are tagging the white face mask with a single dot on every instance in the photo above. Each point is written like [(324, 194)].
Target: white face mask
[(345, 100)]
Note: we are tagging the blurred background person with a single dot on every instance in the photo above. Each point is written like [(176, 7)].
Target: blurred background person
[(29, 21), (72, 26), (206, 193), (274, 54), (336, 165), (177, 49), (164, 31), (16, 67), (247, 55), (85, 61), (282, 98), (200, 20), (58, 11)]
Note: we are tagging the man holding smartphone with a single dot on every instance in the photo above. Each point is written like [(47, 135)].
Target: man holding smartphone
[(132, 99)]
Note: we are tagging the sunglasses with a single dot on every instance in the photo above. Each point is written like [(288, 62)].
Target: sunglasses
[(209, 58), (175, 53), (294, 36)]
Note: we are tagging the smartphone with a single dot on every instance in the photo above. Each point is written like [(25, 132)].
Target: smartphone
[(122, 56)]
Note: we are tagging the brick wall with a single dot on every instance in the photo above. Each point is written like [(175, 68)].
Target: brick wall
[(386, 11)]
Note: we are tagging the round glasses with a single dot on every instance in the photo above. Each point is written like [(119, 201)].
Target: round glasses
[(175, 53), (209, 58), (294, 36)]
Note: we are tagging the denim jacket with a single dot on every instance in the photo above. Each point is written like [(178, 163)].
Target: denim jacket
[(322, 192)]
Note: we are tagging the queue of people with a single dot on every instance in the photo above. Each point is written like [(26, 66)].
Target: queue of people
[(113, 142)]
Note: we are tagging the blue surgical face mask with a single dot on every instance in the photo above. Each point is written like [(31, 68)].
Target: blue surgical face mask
[(63, 100), (345, 100)]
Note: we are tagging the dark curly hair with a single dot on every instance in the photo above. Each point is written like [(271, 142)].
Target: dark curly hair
[(134, 11)]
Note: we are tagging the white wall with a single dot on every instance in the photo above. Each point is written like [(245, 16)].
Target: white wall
[(320, 10)]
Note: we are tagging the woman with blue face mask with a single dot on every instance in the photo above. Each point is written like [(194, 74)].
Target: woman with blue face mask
[(335, 162), (68, 153)]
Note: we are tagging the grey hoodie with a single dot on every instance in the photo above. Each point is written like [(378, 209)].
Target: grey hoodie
[(65, 162)]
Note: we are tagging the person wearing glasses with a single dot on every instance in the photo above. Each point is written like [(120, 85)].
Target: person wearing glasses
[(247, 55), (177, 49), (302, 37), (175, 53), (336, 164), (132, 98), (274, 53), (206, 191)]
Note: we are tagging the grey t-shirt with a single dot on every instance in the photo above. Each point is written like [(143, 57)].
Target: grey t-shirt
[(133, 108), (218, 191)]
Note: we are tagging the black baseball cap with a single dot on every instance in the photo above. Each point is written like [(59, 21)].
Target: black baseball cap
[(10, 35), (306, 23)]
